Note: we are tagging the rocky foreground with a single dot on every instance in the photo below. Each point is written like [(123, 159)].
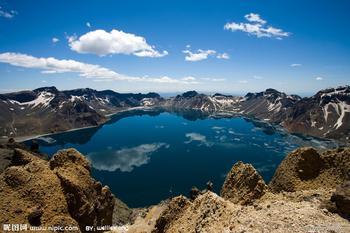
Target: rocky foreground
[(310, 192)]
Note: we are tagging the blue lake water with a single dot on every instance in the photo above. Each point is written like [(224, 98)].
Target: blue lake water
[(147, 157)]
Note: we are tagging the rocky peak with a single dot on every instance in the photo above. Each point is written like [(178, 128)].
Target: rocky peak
[(189, 94), (21, 97), (81, 92), (243, 184), (334, 95), (221, 95), (52, 90)]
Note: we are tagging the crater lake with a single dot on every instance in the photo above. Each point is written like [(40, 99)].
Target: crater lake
[(148, 156)]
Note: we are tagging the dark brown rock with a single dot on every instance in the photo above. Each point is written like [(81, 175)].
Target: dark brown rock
[(243, 184), (194, 192), (34, 216), (341, 197)]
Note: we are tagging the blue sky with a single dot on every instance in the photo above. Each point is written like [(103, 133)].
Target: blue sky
[(172, 46)]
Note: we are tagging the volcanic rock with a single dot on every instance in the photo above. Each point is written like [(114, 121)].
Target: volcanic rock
[(341, 197), (175, 207), (243, 184), (306, 168), (59, 192), (88, 201)]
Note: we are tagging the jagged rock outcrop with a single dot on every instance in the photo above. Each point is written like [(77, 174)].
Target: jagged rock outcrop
[(88, 201), (278, 213), (56, 192), (306, 168), (341, 197), (173, 211), (243, 184)]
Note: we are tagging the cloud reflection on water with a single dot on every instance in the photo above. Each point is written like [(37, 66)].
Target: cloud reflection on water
[(125, 159)]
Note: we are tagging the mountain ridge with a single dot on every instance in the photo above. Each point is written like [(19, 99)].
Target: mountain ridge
[(49, 110)]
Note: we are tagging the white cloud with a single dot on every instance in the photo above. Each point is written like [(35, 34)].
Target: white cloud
[(214, 79), (243, 81), (102, 43), (7, 14), (256, 27), (254, 18), (223, 56), (199, 55), (166, 79), (52, 65), (189, 78), (257, 77), (295, 65), (319, 78), (55, 40), (125, 159), (88, 24)]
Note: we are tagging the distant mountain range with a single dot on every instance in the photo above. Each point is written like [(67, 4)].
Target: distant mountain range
[(48, 110)]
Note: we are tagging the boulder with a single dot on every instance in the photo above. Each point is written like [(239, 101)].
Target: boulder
[(243, 184), (341, 197), (306, 168)]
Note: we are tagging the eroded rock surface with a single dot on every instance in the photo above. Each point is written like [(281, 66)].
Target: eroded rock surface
[(243, 184), (277, 213), (173, 211), (88, 201), (31, 193), (56, 192), (306, 168)]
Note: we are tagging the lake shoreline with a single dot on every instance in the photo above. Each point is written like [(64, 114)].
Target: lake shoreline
[(36, 136)]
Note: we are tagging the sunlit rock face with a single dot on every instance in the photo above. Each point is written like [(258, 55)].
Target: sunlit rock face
[(60, 191), (243, 184)]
